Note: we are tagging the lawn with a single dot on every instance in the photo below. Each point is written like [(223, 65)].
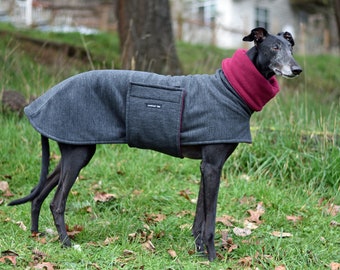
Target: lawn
[(279, 198)]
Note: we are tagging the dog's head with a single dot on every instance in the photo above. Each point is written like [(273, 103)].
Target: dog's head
[(273, 54)]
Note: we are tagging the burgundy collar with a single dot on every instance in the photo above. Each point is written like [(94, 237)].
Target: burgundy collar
[(248, 82)]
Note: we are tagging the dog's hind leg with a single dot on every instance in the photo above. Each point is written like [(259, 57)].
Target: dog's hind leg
[(73, 159), (213, 159), (51, 182)]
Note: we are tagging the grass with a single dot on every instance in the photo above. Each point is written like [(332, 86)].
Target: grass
[(293, 168)]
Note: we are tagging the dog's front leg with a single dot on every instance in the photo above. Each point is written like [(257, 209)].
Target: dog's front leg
[(213, 159)]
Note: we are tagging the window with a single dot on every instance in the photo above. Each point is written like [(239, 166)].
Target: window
[(206, 10), (262, 17)]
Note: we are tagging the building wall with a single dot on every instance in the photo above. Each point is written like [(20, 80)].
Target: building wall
[(233, 19)]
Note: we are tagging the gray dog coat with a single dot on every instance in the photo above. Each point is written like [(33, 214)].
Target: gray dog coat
[(144, 110)]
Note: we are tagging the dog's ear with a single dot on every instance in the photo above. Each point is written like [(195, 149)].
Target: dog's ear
[(288, 36), (257, 35)]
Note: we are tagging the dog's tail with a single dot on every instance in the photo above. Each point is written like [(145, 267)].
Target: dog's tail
[(45, 162)]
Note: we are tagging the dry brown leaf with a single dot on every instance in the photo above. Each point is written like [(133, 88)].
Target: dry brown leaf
[(39, 254), (128, 252), (10, 256), (226, 220), (44, 265), (12, 259), (104, 197), (149, 246), (242, 231), (185, 193), (246, 261), (249, 225), (154, 218), (184, 213), (21, 225), (227, 243), (110, 240), (334, 266), (333, 209), (75, 230), (172, 253), (280, 267), (40, 237), (256, 214), (281, 234), (4, 187), (294, 219)]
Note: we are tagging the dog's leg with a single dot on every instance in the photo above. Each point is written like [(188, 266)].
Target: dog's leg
[(52, 181), (213, 159), (73, 159)]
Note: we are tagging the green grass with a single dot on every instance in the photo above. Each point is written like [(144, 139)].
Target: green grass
[(293, 167)]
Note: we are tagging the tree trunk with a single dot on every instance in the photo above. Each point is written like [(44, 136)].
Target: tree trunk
[(336, 5), (146, 37)]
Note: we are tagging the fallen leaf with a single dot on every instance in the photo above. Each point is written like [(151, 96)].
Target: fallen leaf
[(21, 225), (294, 219), (4, 187), (149, 246), (241, 232), (110, 240), (154, 218), (39, 253), (246, 261), (172, 253), (226, 220), (12, 259), (44, 265), (280, 267), (256, 214), (334, 266), (184, 213), (75, 230), (10, 256), (185, 193), (104, 197), (249, 225), (333, 209), (281, 234), (227, 243), (141, 235), (40, 237)]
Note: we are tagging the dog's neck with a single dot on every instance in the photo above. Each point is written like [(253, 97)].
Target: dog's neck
[(254, 56), (248, 81)]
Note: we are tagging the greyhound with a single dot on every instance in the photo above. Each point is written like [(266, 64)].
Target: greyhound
[(253, 85)]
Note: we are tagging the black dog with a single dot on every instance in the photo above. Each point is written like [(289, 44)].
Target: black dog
[(198, 116)]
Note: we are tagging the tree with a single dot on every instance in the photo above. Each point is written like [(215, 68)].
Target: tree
[(146, 36), (336, 6)]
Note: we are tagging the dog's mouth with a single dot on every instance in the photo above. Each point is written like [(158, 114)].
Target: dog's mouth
[(290, 75)]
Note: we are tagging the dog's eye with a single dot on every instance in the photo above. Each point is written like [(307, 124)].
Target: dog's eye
[(276, 47)]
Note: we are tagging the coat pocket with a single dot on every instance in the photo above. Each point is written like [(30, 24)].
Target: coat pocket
[(154, 116)]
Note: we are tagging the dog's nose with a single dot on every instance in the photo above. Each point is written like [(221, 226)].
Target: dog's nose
[(296, 70)]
